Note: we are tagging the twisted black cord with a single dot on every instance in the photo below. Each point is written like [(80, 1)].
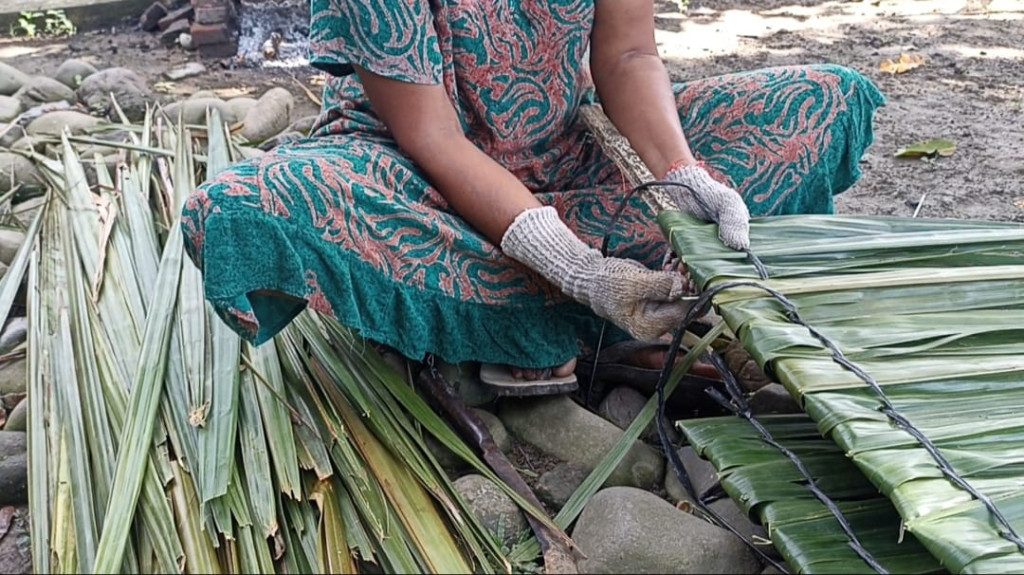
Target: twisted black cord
[(739, 406)]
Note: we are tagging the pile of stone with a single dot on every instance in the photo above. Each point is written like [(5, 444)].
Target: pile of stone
[(35, 109), (642, 520), (206, 26)]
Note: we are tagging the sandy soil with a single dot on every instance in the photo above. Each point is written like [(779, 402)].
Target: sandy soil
[(970, 90)]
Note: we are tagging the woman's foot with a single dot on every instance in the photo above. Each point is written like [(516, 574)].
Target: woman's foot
[(507, 380), (564, 370)]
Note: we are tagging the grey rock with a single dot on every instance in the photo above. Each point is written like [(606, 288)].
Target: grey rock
[(13, 376), (15, 333), (11, 79), (130, 91), (463, 378), (555, 486), (563, 429), (495, 427), (13, 468), (492, 507), (701, 472), (454, 464), (15, 547), (26, 144), (623, 404), (628, 530), (303, 125), (200, 94), (15, 170), (10, 107), (17, 419), (10, 243), (773, 398), (193, 111), (73, 72), (42, 90), (53, 123), (12, 137), (241, 105), (451, 463), (731, 514), (270, 116), (187, 71)]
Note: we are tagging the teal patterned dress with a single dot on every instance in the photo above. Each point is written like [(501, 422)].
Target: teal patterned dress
[(344, 223)]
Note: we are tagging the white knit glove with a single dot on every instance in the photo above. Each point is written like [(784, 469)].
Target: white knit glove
[(644, 303), (711, 201)]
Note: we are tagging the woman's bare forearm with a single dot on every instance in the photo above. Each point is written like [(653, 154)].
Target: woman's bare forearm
[(633, 85), (637, 97), (483, 192), (423, 122)]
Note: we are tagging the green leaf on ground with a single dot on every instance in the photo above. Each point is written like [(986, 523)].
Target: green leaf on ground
[(928, 149)]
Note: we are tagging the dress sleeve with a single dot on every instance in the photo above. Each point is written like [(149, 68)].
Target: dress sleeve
[(395, 39)]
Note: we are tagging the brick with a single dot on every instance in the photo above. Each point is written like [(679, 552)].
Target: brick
[(206, 34), (150, 19), (222, 50), (169, 37), (215, 14), (183, 13)]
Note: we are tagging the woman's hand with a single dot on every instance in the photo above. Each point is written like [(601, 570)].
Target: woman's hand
[(643, 302), (711, 201), (637, 96)]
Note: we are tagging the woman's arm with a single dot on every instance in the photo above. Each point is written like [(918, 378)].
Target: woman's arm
[(633, 85), (423, 122)]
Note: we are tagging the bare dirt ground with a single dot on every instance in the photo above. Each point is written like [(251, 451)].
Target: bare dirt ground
[(970, 89)]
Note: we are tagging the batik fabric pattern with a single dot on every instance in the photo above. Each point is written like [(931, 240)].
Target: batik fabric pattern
[(345, 223)]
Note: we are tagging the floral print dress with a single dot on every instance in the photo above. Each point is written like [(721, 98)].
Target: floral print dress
[(345, 223)]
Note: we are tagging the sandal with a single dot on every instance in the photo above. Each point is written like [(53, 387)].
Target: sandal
[(499, 379)]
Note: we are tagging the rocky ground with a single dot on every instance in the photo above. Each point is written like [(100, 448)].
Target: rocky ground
[(969, 90)]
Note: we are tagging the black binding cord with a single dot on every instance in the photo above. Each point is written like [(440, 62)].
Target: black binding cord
[(737, 404)]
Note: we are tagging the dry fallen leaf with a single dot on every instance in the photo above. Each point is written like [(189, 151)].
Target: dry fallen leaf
[(905, 63), (1019, 203)]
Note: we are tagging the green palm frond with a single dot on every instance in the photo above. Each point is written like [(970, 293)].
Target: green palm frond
[(770, 489), (160, 442), (932, 310)]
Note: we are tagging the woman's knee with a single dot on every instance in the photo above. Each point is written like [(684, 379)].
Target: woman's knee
[(214, 196), (860, 97)]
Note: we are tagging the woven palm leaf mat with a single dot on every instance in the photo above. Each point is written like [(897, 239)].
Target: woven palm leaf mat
[(769, 488), (903, 340)]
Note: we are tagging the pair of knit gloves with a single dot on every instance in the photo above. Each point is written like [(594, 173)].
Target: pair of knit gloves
[(643, 302)]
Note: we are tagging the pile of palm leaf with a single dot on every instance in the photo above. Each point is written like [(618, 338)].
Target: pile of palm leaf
[(903, 339), (161, 442)]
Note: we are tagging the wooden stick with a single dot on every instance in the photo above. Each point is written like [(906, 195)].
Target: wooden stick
[(617, 147)]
